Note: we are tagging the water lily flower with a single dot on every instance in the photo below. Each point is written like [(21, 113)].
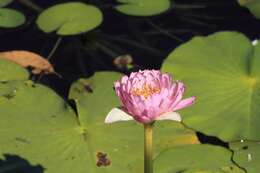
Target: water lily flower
[(147, 96)]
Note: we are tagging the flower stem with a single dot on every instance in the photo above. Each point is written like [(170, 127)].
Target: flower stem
[(148, 148)]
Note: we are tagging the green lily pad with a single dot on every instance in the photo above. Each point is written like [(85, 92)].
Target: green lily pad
[(247, 155), (39, 126), (11, 71), (4, 3), (196, 159), (70, 18), (95, 98), (222, 70), (46, 134), (252, 5), (143, 7), (10, 18)]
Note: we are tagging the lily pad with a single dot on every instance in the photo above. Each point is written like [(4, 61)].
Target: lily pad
[(222, 70), (46, 134), (40, 126), (10, 18), (196, 159), (143, 7), (4, 3), (11, 71), (247, 155), (70, 18), (95, 98), (252, 5)]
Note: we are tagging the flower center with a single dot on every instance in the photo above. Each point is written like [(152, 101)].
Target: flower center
[(145, 90)]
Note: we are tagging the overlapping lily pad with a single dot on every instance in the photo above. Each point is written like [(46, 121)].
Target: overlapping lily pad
[(38, 125), (10, 71), (196, 159), (247, 155), (46, 133), (252, 5), (143, 7), (69, 18), (222, 70)]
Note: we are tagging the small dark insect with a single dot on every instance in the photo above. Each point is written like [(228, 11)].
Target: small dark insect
[(102, 159), (88, 88)]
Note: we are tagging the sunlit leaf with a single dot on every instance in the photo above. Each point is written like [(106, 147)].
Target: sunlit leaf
[(40, 126), (222, 71), (143, 7), (95, 97), (70, 18)]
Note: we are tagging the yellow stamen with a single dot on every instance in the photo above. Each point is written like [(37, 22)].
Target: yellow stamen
[(146, 91)]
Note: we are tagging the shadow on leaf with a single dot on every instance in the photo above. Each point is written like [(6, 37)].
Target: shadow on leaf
[(17, 164)]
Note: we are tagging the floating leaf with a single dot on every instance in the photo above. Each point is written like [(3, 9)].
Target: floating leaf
[(252, 5), (95, 97), (222, 70), (143, 7), (4, 3), (70, 18), (47, 131), (10, 18), (38, 125), (247, 155), (11, 71), (28, 59), (196, 159)]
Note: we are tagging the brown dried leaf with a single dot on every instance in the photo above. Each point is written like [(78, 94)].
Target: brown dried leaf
[(29, 59), (123, 60)]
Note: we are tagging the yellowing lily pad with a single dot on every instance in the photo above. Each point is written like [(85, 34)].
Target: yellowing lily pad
[(222, 71), (70, 18), (10, 18), (143, 7)]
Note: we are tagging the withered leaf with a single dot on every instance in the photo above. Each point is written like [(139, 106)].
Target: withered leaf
[(29, 59), (123, 60)]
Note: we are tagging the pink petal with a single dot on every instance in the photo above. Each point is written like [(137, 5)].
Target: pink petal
[(184, 103)]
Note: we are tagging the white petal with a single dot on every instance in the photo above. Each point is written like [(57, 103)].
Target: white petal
[(254, 42), (116, 115), (170, 116)]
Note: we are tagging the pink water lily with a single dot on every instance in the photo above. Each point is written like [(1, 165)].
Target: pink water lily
[(147, 96)]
